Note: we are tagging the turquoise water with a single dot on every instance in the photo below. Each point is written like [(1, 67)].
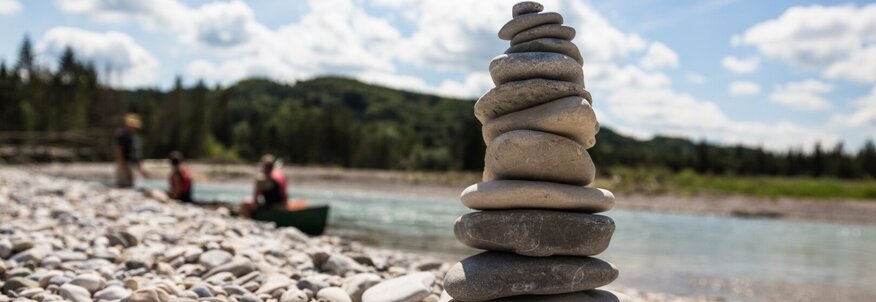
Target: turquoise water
[(683, 254)]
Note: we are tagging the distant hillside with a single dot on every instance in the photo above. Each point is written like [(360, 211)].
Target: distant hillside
[(344, 122), (333, 121)]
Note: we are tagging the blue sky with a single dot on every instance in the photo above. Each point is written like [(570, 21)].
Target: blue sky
[(779, 74)]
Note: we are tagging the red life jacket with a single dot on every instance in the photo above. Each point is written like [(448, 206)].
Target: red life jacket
[(186, 181), (280, 180)]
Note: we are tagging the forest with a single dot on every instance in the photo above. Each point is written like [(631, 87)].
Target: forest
[(336, 121)]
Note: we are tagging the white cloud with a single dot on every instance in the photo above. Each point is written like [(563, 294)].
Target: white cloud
[(156, 14), (696, 78), (218, 24), (334, 37), (864, 115), (813, 36), (659, 56), (806, 95), (437, 37), (113, 50), (859, 67), (739, 65), (223, 24), (743, 88), (680, 114), (9, 7)]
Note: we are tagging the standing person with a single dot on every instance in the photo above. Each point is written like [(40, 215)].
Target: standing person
[(180, 179), (270, 188), (127, 151)]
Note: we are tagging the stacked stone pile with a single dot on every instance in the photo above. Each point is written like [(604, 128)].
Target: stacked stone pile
[(536, 217)]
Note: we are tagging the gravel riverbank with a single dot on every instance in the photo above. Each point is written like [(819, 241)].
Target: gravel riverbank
[(64, 239)]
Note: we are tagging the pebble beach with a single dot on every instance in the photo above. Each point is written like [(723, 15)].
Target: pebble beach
[(63, 239)]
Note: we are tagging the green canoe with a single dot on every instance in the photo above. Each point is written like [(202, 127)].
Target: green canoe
[(310, 220)]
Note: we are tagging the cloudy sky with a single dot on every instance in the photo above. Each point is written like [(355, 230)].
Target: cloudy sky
[(778, 74)]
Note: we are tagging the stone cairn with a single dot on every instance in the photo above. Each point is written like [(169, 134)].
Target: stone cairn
[(536, 216)]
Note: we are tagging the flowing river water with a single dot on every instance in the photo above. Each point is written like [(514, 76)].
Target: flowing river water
[(735, 258)]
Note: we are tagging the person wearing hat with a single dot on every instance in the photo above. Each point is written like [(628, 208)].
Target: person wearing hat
[(270, 187), (127, 151)]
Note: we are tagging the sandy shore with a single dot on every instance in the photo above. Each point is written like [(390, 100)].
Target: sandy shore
[(63, 239), (837, 211)]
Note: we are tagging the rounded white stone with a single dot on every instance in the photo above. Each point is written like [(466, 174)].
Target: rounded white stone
[(539, 156), (571, 117), (522, 194)]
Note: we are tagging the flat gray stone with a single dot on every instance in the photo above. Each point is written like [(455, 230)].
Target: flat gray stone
[(409, 288), (531, 65), (538, 156), (522, 194), (536, 233), (549, 45), (15, 283), (555, 31), (526, 7), (518, 95), (214, 258), (527, 21), (493, 275), (571, 117), (237, 267), (593, 295)]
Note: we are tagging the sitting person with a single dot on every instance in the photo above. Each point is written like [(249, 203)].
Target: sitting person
[(270, 188), (180, 179)]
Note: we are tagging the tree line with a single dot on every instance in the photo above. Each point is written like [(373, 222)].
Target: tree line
[(335, 121)]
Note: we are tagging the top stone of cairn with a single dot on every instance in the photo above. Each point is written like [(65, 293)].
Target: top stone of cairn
[(526, 7)]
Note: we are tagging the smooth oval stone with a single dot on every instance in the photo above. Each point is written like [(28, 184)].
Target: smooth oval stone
[(493, 275), (15, 283), (536, 233), (112, 293), (358, 284), (549, 45), (333, 294), (91, 282), (527, 21), (409, 288), (214, 258), (555, 31), (593, 295), (74, 293), (521, 194), (274, 282), (294, 295), (519, 95), (539, 156), (530, 65), (526, 7), (571, 117)]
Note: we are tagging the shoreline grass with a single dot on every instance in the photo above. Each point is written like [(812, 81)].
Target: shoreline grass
[(653, 181)]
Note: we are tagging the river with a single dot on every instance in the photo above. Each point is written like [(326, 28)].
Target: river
[(735, 258)]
